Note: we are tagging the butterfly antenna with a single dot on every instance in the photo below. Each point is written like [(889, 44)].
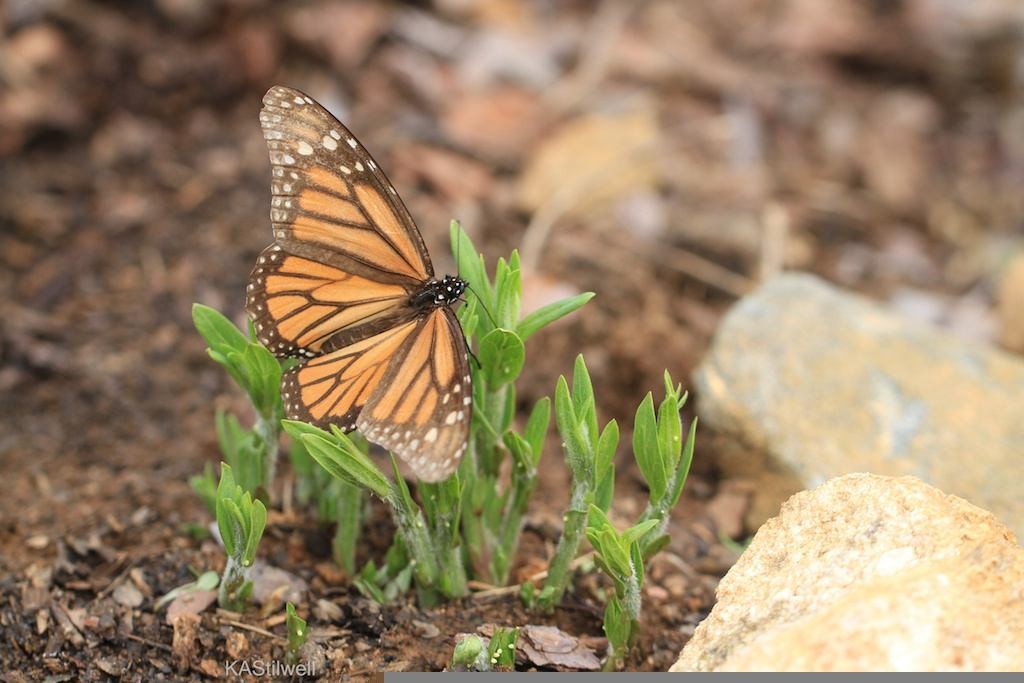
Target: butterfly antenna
[(482, 306)]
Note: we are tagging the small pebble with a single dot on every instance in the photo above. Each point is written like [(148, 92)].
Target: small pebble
[(425, 630), (127, 595)]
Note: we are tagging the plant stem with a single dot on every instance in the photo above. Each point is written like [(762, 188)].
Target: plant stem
[(349, 518), (269, 432), (568, 545), (418, 543), (232, 585), (523, 485)]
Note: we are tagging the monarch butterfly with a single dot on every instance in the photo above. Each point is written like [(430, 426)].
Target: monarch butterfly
[(348, 287)]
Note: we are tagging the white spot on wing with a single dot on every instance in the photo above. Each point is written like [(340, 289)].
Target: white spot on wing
[(305, 149)]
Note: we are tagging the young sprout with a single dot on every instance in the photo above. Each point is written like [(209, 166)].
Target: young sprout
[(590, 456), (493, 511), (240, 520), (501, 651), (470, 654), (206, 581), (498, 655), (297, 634), (664, 461), (251, 452)]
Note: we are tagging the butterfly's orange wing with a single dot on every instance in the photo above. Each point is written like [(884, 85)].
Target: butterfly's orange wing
[(422, 407), (331, 202), (334, 387), (346, 255), (303, 307)]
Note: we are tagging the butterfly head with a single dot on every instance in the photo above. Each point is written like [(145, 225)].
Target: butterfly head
[(443, 292), (449, 289)]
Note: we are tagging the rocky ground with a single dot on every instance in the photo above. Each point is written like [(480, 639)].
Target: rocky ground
[(671, 157)]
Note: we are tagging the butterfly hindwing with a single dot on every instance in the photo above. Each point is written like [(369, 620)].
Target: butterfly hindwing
[(331, 202), (422, 407), (334, 387), (302, 307)]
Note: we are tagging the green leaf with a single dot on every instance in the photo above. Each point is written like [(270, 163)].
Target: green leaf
[(636, 560), (257, 522), (521, 454), (467, 652), (616, 625), (508, 413), (683, 468), (645, 448), (571, 431), (501, 651), (614, 551), (347, 464), (220, 333), (670, 429), (606, 447), (545, 315), (297, 633), (225, 525), (537, 427), (502, 355), (656, 545), (583, 399), (235, 522), (508, 291), (471, 265), (639, 529), (597, 519)]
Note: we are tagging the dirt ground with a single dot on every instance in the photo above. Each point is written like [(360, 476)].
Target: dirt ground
[(879, 145)]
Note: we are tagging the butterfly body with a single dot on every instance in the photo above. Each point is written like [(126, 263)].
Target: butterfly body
[(348, 287)]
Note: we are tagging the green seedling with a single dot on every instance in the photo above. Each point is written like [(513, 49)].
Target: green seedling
[(498, 655), (206, 581), (492, 507), (590, 455), (251, 452), (240, 520), (432, 548), (664, 461), (297, 634), (470, 654)]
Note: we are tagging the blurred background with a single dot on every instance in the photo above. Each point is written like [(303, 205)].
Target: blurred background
[(668, 156)]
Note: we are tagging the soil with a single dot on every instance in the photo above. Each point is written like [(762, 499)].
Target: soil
[(875, 147)]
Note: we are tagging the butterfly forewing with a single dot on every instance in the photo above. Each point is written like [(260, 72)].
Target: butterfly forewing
[(423, 406), (331, 202), (302, 307)]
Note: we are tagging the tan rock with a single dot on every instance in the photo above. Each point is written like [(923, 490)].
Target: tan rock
[(804, 382), (869, 573), (1011, 305)]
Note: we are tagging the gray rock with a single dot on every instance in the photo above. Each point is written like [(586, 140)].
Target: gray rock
[(869, 573), (805, 382)]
